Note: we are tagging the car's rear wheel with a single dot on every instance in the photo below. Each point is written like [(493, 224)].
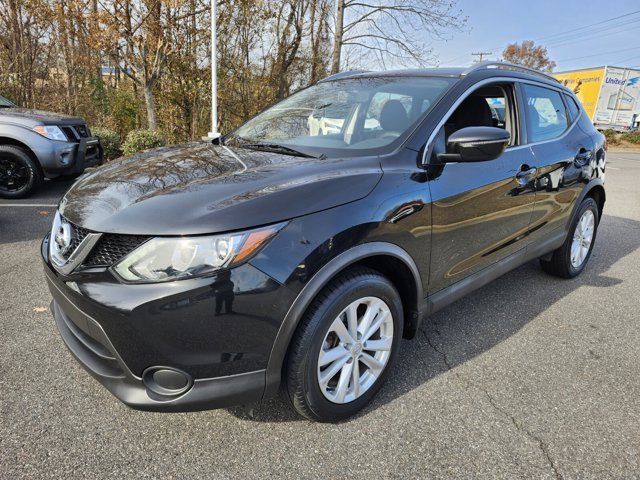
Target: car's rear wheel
[(571, 258), (344, 347), (19, 174)]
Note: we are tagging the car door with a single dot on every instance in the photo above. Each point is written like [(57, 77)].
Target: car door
[(481, 211), (562, 149)]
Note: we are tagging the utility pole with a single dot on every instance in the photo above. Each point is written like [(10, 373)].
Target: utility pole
[(213, 134), (481, 55)]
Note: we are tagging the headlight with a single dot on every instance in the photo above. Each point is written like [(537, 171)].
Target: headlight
[(50, 131), (165, 259)]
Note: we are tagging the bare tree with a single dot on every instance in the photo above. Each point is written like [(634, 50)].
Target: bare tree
[(392, 29), (141, 47), (319, 39), (24, 48), (290, 21)]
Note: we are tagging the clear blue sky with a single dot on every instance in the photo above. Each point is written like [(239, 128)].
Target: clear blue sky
[(495, 23)]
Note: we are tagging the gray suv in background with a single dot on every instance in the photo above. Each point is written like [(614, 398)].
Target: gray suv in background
[(35, 145)]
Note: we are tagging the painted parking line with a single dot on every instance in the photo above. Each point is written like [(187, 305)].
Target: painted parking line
[(45, 205)]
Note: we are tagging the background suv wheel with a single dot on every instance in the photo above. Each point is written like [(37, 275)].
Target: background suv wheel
[(344, 346), (571, 258), (19, 174)]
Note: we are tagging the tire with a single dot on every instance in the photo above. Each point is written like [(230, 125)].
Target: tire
[(372, 292), (20, 175), (561, 263)]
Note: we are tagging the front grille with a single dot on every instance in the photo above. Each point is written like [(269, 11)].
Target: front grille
[(82, 130), (75, 132), (111, 248), (70, 133), (77, 235)]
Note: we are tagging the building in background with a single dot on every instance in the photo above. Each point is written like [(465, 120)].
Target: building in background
[(610, 95)]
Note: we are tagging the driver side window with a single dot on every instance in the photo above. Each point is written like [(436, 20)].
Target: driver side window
[(489, 106)]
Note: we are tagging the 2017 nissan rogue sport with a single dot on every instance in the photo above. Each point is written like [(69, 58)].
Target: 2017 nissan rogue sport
[(296, 252)]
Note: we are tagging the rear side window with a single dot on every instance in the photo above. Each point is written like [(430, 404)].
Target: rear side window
[(545, 112), (574, 109)]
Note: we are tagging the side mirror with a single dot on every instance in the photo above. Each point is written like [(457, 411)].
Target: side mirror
[(475, 144)]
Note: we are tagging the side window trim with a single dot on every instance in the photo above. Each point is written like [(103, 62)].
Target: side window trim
[(522, 120), (511, 97), (567, 100), (511, 109)]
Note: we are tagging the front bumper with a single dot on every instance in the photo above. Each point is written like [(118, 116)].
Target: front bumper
[(71, 157), (120, 334), (100, 359)]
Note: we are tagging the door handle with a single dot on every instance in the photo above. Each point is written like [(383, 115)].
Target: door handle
[(526, 174)]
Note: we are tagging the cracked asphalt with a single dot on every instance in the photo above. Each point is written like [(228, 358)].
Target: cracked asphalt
[(528, 377)]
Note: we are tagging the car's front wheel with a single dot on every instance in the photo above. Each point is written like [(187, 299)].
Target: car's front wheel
[(345, 346), (19, 174)]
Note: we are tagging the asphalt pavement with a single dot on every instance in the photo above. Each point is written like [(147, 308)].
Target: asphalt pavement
[(529, 377)]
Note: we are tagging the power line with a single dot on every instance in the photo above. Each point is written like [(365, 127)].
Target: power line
[(577, 29), (595, 34), (597, 54), (627, 60), (546, 37)]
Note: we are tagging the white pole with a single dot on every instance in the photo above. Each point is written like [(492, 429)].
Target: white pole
[(214, 74)]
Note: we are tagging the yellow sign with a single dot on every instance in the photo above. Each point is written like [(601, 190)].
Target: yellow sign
[(585, 84)]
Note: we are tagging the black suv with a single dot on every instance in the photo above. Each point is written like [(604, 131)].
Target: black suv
[(296, 252)]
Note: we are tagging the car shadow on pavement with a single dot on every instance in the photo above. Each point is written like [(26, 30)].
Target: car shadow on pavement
[(480, 321)]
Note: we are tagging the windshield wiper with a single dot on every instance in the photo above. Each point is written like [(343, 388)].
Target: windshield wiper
[(277, 148)]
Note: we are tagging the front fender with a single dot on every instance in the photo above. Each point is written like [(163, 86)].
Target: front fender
[(311, 290), (43, 148)]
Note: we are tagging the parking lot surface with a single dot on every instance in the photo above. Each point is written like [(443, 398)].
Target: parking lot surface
[(531, 376)]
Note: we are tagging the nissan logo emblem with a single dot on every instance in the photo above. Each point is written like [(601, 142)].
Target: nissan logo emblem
[(62, 238)]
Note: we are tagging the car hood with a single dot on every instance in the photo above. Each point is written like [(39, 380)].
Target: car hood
[(37, 117), (204, 188)]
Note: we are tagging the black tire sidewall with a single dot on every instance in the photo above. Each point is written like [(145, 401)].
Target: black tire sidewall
[(377, 286), (18, 154), (587, 204)]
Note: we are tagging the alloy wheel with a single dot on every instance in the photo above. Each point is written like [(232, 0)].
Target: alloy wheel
[(14, 175), (582, 238), (355, 350)]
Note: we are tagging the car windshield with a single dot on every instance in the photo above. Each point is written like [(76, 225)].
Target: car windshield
[(4, 103), (354, 117)]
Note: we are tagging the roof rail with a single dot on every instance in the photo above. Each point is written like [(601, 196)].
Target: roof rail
[(346, 74), (507, 66)]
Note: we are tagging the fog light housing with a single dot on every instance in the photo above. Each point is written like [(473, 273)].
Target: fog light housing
[(166, 381)]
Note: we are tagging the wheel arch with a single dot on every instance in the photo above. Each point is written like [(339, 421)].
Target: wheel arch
[(598, 194), (4, 140), (595, 190), (387, 258)]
